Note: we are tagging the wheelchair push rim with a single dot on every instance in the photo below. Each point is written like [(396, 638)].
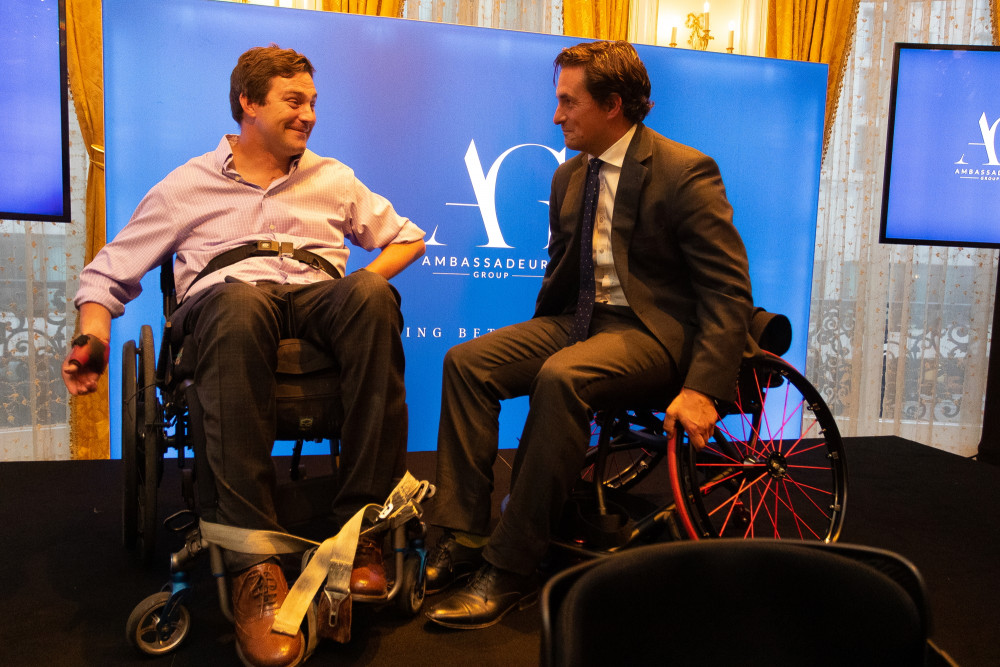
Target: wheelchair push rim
[(775, 468)]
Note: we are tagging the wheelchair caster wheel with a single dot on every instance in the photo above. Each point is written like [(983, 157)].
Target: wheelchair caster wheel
[(148, 630), (413, 586)]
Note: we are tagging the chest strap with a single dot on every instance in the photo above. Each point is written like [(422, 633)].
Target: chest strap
[(267, 249)]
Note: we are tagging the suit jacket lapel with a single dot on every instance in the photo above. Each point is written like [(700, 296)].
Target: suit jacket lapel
[(573, 203), (626, 211)]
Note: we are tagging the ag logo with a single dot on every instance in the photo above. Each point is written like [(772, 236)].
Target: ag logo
[(989, 141), (484, 185)]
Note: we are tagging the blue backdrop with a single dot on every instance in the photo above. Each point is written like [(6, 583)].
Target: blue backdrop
[(454, 125)]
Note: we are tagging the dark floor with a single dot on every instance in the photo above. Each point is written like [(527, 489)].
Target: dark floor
[(67, 586)]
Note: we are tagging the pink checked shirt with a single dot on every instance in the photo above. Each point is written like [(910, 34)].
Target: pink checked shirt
[(204, 208)]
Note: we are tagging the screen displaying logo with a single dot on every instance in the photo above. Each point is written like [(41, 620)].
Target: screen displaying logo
[(943, 175), (34, 137), (454, 126)]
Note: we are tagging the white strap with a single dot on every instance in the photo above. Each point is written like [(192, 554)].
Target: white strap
[(263, 542), (334, 558), (331, 563)]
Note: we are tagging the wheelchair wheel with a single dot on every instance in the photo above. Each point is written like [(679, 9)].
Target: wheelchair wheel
[(633, 450), (413, 586), (130, 497), (149, 631), (149, 461), (761, 477)]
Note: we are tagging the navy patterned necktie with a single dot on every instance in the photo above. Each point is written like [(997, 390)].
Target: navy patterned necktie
[(585, 300)]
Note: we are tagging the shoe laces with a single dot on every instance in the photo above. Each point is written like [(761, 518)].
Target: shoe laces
[(265, 588), (483, 580), (440, 555)]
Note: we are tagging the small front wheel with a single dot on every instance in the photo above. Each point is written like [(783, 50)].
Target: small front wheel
[(148, 630), (413, 586)]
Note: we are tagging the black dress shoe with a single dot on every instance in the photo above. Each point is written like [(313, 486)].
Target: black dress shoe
[(487, 598), (449, 562)]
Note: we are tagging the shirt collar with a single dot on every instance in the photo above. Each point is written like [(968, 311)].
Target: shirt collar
[(615, 155), (224, 154)]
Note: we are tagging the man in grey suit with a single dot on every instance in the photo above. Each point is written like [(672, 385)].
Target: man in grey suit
[(664, 303)]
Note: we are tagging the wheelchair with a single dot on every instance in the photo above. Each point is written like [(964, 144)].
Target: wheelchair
[(161, 411), (774, 468)]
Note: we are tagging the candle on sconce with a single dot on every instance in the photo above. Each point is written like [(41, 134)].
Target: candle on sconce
[(673, 35), (705, 16), (732, 34)]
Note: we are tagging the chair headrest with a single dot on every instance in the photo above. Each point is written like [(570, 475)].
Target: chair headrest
[(771, 331)]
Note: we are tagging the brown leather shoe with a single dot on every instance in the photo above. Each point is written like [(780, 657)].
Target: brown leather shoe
[(257, 595), (368, 576)]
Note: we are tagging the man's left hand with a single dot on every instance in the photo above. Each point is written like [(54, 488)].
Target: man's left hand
[(695, 413)]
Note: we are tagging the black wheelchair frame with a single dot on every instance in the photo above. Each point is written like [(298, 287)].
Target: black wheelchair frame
[(160, 411), (775, 467)]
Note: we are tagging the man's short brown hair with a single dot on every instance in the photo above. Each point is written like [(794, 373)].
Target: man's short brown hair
[(255, 69), (611, 68)]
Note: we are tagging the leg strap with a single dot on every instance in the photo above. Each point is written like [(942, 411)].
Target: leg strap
[(333, 559)]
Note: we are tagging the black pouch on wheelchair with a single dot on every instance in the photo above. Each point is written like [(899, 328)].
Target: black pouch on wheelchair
[(308, 391)]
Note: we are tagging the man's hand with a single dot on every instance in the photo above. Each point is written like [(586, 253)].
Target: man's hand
[(695, 413), (85, 363)]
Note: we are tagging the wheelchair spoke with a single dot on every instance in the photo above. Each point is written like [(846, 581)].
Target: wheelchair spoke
[(776, 467)]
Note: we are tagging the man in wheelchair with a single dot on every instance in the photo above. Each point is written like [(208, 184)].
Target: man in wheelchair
[(278, 215), (647, 290)]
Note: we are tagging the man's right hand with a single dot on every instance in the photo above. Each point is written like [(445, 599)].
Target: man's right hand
[(85, 363)]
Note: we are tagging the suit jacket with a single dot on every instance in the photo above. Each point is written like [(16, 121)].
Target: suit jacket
[(680, 260)]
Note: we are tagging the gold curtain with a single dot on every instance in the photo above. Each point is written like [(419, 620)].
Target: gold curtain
[(598, 19), (818, 31), (995, 20), (390, 8), (84, 38)]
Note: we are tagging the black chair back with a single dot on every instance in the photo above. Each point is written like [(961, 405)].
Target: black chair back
[(737, 602)]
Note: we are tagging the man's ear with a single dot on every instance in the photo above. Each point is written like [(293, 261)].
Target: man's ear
[(249, 109), (613, 105)]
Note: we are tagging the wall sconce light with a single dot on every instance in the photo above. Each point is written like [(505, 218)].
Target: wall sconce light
[(698, 23), (732, 35)]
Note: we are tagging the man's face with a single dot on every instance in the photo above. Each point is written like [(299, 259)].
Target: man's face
[(584, 122), (288, 115)]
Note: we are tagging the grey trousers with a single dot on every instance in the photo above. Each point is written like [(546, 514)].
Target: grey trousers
[(619, 362), (237, 327)]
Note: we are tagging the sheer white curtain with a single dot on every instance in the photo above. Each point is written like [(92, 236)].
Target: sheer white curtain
[(39, 265), (529, 15), (899, 335)]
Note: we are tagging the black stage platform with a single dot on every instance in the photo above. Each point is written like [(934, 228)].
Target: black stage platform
[(67, 586)]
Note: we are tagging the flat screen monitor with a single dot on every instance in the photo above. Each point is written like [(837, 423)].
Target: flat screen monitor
[(942, 174), (34, 143)]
